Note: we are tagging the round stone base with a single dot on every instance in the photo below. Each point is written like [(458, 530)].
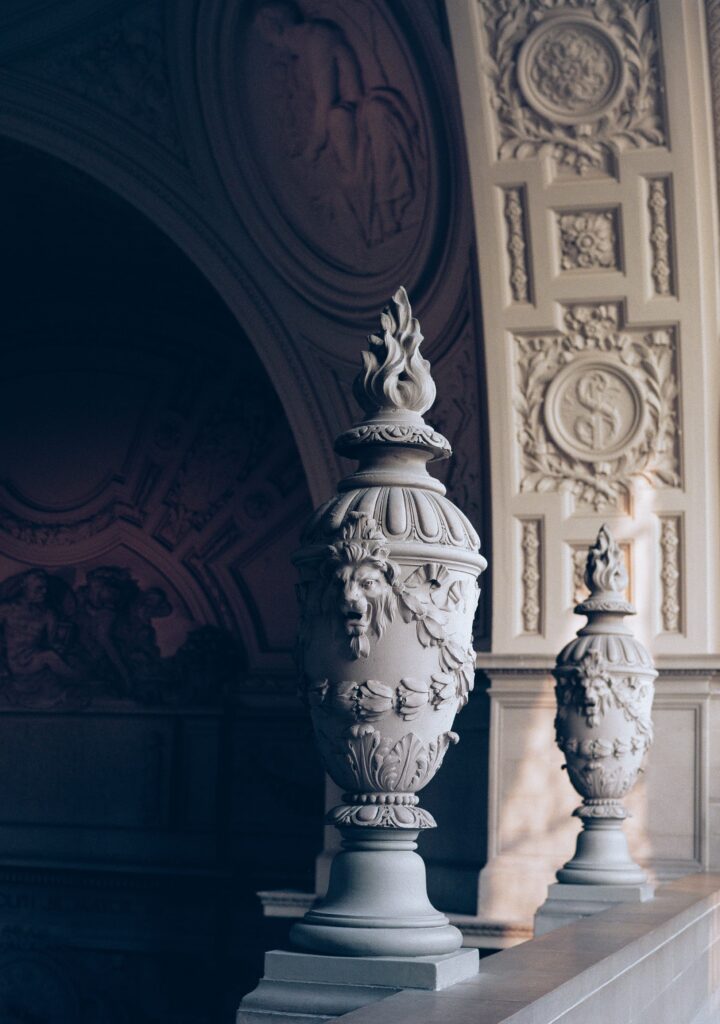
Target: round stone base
[(602, 856), (377, 903)]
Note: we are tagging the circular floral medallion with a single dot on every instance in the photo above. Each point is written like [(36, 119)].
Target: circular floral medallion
[(593, 409), (570, 69)]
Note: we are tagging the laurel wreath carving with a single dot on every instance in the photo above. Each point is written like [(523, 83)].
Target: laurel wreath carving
[(634, 121), (649, 357)]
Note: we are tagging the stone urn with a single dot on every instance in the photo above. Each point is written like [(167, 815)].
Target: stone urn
[(604, 689), (388, 590)]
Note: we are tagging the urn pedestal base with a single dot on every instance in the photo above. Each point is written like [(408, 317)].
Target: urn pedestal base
[(376, 903), (602, 856), (566, 903), (304, 988)]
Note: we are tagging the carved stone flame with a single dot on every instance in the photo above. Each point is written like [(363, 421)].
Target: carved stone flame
[(605, 576), (395, 376)]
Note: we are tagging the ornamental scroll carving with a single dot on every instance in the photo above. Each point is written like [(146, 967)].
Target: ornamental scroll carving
[(576, 81), (597, 407)]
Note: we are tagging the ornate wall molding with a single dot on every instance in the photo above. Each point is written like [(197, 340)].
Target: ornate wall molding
[(597, 407), (658, 201), (531, 590), (121, 67), (519, 276), (671, 606), (588, 239), (578, 83)]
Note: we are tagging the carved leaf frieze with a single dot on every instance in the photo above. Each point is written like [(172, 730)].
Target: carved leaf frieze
[(579, 81), (597, 407)]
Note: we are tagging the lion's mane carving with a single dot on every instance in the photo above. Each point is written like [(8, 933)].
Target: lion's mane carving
[(363, 582)]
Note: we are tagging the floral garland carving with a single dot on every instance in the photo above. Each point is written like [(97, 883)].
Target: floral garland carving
[(647, 358), (633, 117)]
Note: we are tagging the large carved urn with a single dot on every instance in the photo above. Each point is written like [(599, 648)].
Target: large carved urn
[(604, 688), (388, 589)]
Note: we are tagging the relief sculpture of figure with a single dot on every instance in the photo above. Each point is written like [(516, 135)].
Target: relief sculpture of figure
[(30, 626), (369, 132)]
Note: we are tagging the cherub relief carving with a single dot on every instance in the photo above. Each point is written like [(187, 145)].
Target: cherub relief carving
[(60, 646), (368, 132), (30, 617), (363, 581)]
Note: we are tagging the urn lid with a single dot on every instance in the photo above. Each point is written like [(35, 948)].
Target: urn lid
[(393, 445), (605, 639)]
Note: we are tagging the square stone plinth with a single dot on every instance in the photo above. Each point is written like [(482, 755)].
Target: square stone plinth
[(308, 988), (567, 903)]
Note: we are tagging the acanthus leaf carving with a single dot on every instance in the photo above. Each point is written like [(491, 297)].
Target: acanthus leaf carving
[(379, 764)]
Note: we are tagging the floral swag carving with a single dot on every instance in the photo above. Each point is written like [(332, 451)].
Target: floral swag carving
[(640, 363), (364, 594)]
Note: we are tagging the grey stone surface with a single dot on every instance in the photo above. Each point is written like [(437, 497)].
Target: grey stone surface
[(566, 903), (425, 972), (654, 962), (313, 988)]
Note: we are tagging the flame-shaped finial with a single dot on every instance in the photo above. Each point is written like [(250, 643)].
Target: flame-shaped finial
[(605, 568), (395, 376)]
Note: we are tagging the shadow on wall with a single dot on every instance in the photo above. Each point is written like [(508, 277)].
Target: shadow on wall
[(156, 766)]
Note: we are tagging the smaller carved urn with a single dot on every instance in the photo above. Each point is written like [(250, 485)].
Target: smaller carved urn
[(604, 689), (388, 588)]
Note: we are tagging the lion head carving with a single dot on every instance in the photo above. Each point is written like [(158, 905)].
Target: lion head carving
[(363, 583)]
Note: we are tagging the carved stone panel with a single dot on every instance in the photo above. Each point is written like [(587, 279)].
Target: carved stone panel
[(578, 83), (596, 407)]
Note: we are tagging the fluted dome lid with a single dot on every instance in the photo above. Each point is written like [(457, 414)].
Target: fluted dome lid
[(403, 514)]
